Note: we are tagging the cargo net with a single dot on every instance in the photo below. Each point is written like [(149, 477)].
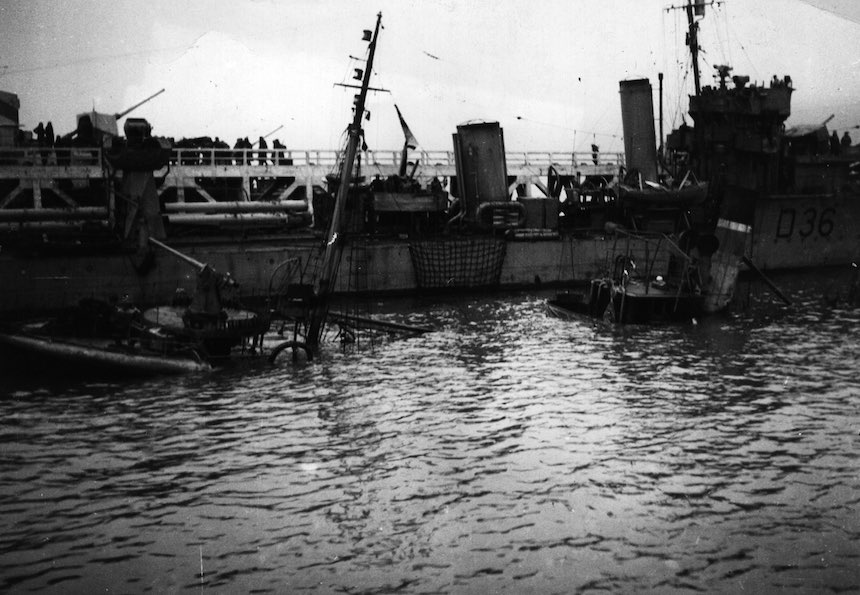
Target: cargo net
[(461, 263)]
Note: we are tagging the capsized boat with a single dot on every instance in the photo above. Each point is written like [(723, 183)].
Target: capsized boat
[(96, 337)]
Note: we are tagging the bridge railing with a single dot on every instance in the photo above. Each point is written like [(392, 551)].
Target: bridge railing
[(384, 157), (294, 157), (49, 156)]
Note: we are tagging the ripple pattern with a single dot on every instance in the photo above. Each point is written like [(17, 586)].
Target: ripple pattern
[(507, 452)]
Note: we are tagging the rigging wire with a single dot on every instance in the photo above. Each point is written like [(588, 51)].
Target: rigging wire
[(732, 34), (68, 63), (679, 71), (723, 57), (724, 8)]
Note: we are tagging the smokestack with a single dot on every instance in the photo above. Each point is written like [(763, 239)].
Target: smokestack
[(637, 119), (482, 174)]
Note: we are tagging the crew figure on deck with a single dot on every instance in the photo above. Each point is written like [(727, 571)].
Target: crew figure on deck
[(834, 143), (261, 153)]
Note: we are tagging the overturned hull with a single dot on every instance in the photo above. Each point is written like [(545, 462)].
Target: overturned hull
[(94, 355)]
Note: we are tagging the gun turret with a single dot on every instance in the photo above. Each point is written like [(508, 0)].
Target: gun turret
[(93, 127)]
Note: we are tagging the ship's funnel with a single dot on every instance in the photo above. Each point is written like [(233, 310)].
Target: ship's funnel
[(637, 118), (479, 152)]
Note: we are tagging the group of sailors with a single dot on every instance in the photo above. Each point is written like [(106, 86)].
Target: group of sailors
[(198, 151), (837, 147), (35, 147), (194, 151), (45, 135)]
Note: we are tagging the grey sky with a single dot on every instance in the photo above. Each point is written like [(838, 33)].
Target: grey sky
[(547, 71)]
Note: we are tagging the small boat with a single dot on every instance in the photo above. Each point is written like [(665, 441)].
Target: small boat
[(687, 195), (634, 302), (117, 338), (629, 294), (40, 348)]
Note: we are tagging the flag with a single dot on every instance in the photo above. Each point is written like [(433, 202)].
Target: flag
[(411, 142)]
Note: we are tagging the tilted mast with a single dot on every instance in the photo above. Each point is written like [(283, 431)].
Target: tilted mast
[(324, 285)]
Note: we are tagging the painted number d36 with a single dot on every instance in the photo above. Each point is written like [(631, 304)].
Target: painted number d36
[(805, 223)]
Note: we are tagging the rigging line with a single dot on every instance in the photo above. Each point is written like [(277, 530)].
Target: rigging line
[(707, 62), (719, 38), (663, 37), (744, 50), (677, 37), (350, 67), (59, 65), (724, 8)]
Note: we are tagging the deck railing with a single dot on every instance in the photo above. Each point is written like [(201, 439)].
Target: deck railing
[(386, 158), (49, 156), (65, 156)]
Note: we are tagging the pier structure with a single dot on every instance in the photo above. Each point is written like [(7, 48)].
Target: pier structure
[(43, 189), (51, 188), (309, 168)]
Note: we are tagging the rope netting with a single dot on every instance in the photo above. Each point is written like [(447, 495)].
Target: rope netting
[(457, 263)]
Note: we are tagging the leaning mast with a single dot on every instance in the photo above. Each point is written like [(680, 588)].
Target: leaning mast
[(324, 286)]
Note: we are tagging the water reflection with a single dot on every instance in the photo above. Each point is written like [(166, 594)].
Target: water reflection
[(506, 452)]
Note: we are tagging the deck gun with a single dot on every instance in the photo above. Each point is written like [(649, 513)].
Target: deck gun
[(94, 126), (207, 299)]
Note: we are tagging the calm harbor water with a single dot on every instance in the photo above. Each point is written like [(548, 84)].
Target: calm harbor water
[(506, 452)]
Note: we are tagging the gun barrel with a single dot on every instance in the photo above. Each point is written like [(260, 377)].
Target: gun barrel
[(178, 254), (137, 105), (274, 131)]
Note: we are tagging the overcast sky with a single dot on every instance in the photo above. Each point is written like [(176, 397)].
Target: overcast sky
[(548, 71)]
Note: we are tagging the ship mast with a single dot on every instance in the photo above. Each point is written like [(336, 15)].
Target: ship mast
[(331, 257), (693, 42)]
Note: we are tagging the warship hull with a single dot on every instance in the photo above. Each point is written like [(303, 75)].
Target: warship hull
[(545, 250), (374, 266), (806, 231)]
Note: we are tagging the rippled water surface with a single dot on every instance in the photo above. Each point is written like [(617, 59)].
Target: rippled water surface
[(506, 452)]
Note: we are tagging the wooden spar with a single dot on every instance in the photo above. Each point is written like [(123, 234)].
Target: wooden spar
[(767, 281), (364, 322), (331, 257)]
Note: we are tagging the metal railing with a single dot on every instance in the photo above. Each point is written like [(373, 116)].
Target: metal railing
[(385, 158), (50, 156), (64, 156)]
